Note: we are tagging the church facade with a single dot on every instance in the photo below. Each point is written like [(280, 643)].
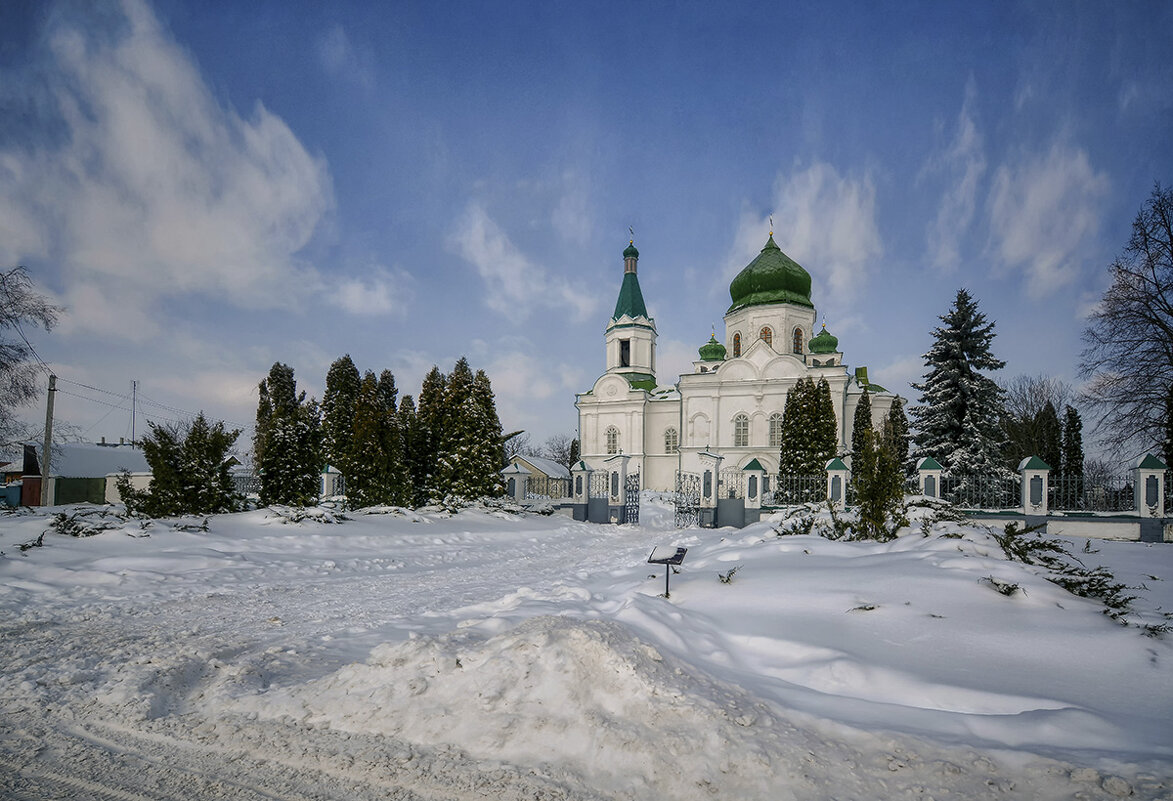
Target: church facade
[(728, 410)]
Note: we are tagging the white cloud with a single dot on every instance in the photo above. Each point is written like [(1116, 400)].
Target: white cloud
[(571, 216), (824, 221), (1044, 212), (381, 293), (514, 284), (963, 164), (341, 59), (153, 187)]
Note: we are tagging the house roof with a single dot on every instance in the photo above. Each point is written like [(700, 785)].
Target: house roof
[(547, 466), (78, 460)]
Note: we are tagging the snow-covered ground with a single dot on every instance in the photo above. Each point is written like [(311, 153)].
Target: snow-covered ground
[(491, 655)]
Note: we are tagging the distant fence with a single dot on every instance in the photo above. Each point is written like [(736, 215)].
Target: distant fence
[(548, 488)]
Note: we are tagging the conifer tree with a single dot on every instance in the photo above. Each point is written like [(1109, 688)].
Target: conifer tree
[(860, 423), (879, 483), (489, 449), (425, 437), (189, 471), (457, 437), (1073, 443), (342, 383), (398, 478), (825, 427), (366, 481), (1050, 438), (414, 458), (898, 439), (958, 419), (809, 429), (287, 447), (1167, 438)]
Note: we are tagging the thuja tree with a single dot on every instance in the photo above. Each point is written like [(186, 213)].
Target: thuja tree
[(958, 420), (1050, 438), (428, 424), (338, 409), (879, 483), (809, 439), (897, 436), (189, 471), (287, 446), (861, 425)]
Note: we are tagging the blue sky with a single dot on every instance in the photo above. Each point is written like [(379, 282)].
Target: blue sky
[(209, 187)]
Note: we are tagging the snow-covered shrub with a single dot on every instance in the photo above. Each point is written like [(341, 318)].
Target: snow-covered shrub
[(297, 514), (88, 521)]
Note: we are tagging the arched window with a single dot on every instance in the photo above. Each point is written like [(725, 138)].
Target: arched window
[(776, 430), (737, 345), (612, 439), (740, 431), (767, 336), (671, 441), (798, 340)]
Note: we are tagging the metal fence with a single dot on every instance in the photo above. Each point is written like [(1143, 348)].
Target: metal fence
[(547, 488), (982, 491), (1079, 494), (599, 481), (732, 484), (789, 490)]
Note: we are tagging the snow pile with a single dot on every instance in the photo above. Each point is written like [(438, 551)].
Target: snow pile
[(491, 653)]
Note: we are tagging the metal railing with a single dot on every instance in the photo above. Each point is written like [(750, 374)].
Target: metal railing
[(793, 490), (547, 488), (732, 484), (982, 491), (1079, 494)]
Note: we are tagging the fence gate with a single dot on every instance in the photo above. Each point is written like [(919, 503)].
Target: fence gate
[(631, 505), (688, 500)]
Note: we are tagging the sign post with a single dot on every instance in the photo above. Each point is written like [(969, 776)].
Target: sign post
[(668, 556)]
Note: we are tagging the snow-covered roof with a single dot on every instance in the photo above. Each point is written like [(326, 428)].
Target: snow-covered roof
[(547, 466), (77, 460)]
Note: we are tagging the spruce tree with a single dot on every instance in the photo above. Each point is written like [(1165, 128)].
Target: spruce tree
[(958, 420), (342, 382), (1072, 443), (1050, 438), (489, 449), (862, 422)]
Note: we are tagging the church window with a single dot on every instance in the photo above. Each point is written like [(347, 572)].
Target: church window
[(798, 340), (736, 345), (740, 431), (671, 441), (767, 336), (612, 439), (776, 430), (625, 353)]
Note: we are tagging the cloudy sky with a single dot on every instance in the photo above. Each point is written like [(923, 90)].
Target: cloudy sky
[(209, 187)]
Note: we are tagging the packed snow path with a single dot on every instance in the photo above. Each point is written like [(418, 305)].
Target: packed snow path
[(487, 655)]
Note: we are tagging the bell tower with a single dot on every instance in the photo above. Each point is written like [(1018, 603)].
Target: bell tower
[(631, 333)]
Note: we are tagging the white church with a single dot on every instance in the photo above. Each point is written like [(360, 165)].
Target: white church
[(730, 406)]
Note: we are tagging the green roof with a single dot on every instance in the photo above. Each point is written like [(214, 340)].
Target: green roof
[(630, 252), (825, 342), (1033, 463), (631, 300), (929, 463), (1150, 462), (712, 351), (754, 465), (835, 464), (773, 277), (641, 381)]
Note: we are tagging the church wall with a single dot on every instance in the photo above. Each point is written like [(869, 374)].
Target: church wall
[(782, 320)]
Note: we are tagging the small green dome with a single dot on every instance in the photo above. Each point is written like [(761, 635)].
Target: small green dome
[(712, 351), (773, 277), (630, 252), (824, 342)]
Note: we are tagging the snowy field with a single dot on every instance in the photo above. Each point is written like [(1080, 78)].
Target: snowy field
[(491, 655)]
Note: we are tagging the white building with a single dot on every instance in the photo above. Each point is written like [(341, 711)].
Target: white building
[(731, 403)]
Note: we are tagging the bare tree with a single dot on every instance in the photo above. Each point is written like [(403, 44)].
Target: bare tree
[(1129, 342), (19, 305), (517, 443), (561, 448), (1024, 399)]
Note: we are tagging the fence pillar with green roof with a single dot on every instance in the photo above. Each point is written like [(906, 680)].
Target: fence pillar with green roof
[(1149, 486), (755, 476), (837, 483), (1035, 474), (516, 478), (928, 476)]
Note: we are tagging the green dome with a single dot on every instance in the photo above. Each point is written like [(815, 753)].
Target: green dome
[(824, 342), (773, 277), (630, 251), (712, 351)]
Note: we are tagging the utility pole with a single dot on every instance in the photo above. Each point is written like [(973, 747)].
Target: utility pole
[(46, 451)]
